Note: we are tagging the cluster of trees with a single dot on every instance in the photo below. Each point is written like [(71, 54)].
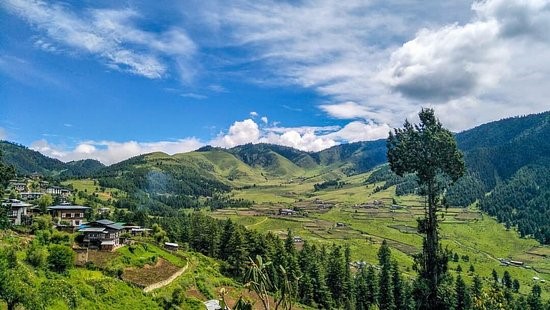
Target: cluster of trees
[(327, 184), (49, 252)]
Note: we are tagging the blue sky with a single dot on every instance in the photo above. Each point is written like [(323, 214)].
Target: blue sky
[(110, 80)]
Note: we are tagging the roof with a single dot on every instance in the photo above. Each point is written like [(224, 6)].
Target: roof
[(171, 244), (105, 222), (212, 304), (116, 226), (92, 229), (141, 229), (68, 207)]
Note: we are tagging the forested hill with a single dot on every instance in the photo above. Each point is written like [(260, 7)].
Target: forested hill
[(508, 165), (27, 161)]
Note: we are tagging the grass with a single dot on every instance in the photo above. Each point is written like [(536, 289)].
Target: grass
[(467, 232), (90, 187)]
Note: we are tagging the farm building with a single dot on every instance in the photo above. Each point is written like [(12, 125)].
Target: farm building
[(286, 212), (171, 246), (103, 234)]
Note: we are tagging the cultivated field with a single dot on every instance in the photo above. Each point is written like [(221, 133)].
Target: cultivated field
[(358, 215)]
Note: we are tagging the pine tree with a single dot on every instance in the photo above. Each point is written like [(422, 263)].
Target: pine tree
[(429, 151), (399, 298), (348, 284), (385, 298), (462, 295), (372, 286), (534, 299), (336, 275), (476, 293), (515, 285), (228, 231), (361, 290), (237, 256), (507, 280)]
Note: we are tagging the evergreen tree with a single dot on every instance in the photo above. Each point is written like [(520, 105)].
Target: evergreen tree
[(462, 295), (336, 275), (476, 293), (385, 297), (228, 231), (534, 300), (429, 151), (372, 286), (515, 285), (361, 290), (348, 284), (507, 280), (399, 298), (237, 256)]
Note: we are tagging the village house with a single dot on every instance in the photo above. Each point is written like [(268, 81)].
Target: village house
[(31, 195), (286, 212), (58, 191), (73, 215), (102, 234), (17, 210), (18, 186), (171, 246)]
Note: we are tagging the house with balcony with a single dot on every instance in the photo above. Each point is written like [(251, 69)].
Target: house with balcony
[(18, 211), (102, 234), (68, 215)]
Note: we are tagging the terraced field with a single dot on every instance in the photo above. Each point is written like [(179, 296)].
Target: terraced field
[(349, 215)]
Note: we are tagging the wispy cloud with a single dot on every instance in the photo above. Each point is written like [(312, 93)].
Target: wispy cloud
[(487, 59), (111, 35)]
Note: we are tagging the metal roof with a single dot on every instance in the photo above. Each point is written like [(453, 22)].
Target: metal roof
[(105, 222), (68, 207), (92, 229)]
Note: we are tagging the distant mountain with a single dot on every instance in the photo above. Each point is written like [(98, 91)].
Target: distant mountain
[(27, 161)]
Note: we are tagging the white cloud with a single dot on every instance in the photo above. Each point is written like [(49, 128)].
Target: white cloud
[(253, 114), (112, 35), (109, 152), (307, 141), (243, 132), (347, 110), (264, 119), (305, 138), (382, 62), (358, 131)]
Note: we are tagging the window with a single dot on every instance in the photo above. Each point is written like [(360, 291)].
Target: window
[(81, 214), (72, 215), (77, 222), (63, 215)]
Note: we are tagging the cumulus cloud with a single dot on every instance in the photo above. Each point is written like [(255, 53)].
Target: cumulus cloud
[(109, 152), (305, 138), (111, 35), (253, 114), (264, 119), (242, 132)]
